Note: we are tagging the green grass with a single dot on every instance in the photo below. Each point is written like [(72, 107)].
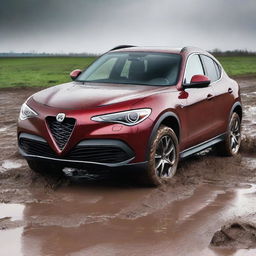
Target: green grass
[(48, 71), (39, 71), (239, 65)]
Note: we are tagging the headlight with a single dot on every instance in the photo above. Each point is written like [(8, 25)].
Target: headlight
[(26, 112), (130, 117)]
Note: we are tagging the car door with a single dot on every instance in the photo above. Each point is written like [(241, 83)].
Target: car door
[(200, 114), (224, 98)]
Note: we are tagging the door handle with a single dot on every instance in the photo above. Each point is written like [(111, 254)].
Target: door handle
[(230, 90), (209, 96)]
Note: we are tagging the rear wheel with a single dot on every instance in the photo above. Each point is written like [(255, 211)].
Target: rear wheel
[(230, 146), (45, 168), (163, 158)]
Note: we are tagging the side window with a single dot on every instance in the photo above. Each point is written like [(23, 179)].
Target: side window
[(218, 69), (212, 70), (193, 67)]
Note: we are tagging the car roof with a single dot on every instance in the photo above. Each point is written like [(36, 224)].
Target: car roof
[(148, 49), (165, 49)]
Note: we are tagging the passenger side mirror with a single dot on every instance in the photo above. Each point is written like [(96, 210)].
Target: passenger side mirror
[(75, 73), (198, 81)]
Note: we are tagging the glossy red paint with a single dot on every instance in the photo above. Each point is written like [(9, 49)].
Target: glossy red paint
[(200, 117), (183, 95), (200, 79), (75, 73)]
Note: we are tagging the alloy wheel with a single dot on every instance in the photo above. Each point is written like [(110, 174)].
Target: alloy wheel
[(235, 135), (165, 157)]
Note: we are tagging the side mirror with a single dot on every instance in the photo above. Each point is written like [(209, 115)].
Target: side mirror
[(198, 81), (75, 73)]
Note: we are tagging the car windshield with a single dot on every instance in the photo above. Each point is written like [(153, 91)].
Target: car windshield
[(145, 68)]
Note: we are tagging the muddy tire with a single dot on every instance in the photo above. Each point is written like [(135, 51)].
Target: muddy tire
[(163, 157), (45, 168), (230, 146)]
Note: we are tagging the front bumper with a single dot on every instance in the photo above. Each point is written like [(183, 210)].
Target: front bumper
[(135, 137), (87, 153)]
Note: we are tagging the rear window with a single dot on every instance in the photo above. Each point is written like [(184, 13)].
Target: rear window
[(211, 67)]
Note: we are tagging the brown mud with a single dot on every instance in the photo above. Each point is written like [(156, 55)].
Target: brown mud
[(110, 214), (236, 235)]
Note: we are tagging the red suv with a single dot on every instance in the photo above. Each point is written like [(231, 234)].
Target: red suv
[(135, 107)]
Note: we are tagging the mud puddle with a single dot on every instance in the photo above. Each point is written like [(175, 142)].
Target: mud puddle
[(97, 221), (109, 214)]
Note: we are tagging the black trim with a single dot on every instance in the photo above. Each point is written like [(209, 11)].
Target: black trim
[(119, 148), (32, 137), (61, 131), (107, 142), (84, 164), (236, 104), (122, 47), (75, 163), (206, 144), (196, 85)]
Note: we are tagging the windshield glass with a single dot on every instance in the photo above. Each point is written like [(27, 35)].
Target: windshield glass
[(146, 68)]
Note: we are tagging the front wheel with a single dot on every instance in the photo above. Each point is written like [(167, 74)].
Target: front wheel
[(230, 146), (163, 157)]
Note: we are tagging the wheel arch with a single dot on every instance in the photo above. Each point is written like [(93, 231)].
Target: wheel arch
[(169, 119), (237, 108)]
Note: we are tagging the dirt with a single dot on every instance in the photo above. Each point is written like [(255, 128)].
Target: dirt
[(207, 209), (236, 235)]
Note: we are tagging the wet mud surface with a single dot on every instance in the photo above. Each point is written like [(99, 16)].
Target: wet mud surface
[(208, 209), (236, 235)]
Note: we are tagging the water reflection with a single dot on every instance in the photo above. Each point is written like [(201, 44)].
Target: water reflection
[(94, 221)]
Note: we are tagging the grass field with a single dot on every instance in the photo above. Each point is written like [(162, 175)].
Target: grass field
[(39, 71), (239, 65), (48, 71)]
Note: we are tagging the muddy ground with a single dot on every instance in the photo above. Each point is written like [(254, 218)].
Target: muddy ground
[(109, 214)]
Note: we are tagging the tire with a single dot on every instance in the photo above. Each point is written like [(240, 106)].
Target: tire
[(163, 157), (230, 146), (44, 168)]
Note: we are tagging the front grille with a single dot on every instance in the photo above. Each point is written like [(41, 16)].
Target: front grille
[(88, 153), (34, 147), (61, 131), (102, 154)]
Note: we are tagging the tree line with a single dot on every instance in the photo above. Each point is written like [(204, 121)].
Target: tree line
[(215, 52)]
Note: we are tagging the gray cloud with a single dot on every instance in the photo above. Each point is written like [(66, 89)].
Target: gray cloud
[(97, 25)]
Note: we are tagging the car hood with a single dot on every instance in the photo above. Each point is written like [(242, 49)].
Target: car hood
[(77, 95)]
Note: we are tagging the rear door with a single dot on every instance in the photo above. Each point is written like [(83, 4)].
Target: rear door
[(223, 99), (200, 110)]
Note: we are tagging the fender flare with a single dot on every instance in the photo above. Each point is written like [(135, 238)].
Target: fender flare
[(238, 103), (157, 125)]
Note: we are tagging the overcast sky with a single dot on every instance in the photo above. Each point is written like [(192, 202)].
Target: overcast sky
[(97, 25)]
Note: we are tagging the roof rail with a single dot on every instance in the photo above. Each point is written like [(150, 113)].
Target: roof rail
[(191, 48), (184, 49), (121, 47)]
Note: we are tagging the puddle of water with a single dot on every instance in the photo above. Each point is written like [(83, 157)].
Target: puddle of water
[(11, 164), (73, 224), (11, 239), (15, 211), (11, 242), (3, 129)]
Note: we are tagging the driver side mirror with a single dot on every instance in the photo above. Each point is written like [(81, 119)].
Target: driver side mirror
[(75, 73), (198, 81)]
